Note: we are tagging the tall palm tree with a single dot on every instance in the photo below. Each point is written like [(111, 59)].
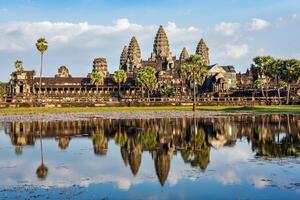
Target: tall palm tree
[(196, 70), (97, 78), (42, 46), (120, 77), (290, 73), (140, 78), (265, 69), (19, 65)]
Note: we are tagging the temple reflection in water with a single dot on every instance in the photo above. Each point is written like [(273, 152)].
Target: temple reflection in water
[(271, 136)]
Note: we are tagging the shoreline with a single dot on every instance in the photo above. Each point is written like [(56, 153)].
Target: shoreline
[(123, 115)]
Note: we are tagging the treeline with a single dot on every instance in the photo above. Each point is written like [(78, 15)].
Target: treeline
[(283, 72)]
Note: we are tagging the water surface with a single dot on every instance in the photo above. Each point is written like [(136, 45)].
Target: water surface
[(237, 157)]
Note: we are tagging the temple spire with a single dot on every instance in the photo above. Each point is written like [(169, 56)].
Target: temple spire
[(123, 58), (134, 55), (184, 54), (161, 49), (202, 50)]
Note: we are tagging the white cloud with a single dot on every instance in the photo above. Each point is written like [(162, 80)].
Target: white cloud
[(258, 24), (236, 51), (227, 28)]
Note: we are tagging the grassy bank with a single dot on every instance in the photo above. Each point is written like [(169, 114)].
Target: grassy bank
[(255, 109)]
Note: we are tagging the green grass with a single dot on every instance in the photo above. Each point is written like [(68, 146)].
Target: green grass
[(235, 109)]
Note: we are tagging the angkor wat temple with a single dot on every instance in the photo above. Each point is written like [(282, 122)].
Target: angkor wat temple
[(222, 85)]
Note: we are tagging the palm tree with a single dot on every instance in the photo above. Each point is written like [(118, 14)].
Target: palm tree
[(140, 78), (42, 46), (19, 65), (196, 70), (147, 78), (265, 69), (97, 78), (120, 77), (42, 170), (290, 73)]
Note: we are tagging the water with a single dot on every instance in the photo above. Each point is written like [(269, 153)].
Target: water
[(237, 157)]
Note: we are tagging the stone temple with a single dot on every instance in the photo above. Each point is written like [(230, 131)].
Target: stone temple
[(24, 85)]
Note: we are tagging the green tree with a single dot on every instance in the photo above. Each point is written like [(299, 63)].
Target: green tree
[(19, 65), (42, 46), (195, 69), (290, 73), (265, 68), (97, 78), (169, 91), (147, 77), (120, 77)]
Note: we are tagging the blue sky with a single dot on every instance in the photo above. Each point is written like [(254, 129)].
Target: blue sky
[(80, 30)]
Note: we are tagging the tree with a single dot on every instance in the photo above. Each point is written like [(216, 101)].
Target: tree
[(147, 78), (97, 78), (264, 69), (42, 46), (120, 77), (19, 65), (290, 73), (140, 78), (169, 91), (195, 69)]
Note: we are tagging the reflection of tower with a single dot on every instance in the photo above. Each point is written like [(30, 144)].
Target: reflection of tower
[(132, 155), (162, 160)]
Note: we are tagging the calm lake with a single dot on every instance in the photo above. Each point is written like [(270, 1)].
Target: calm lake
[(232, 157)]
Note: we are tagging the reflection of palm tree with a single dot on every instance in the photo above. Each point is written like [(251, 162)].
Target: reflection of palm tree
[(42, 170)]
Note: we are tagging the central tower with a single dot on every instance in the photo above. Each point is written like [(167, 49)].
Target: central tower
[(161, 48)]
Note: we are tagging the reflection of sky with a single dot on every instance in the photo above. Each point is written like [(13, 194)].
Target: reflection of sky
[(233, 169)]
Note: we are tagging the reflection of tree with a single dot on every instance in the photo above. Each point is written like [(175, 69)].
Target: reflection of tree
[(120, 137), (42, 170), (288, 146), (196, 151), (63, 142), (99, 142), (147, 139)]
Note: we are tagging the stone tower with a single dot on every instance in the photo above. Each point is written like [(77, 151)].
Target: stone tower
[(134, 56), (63, 72), (100, 65), (161, 49), (184, 54), (202, 50), (123, 58)]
